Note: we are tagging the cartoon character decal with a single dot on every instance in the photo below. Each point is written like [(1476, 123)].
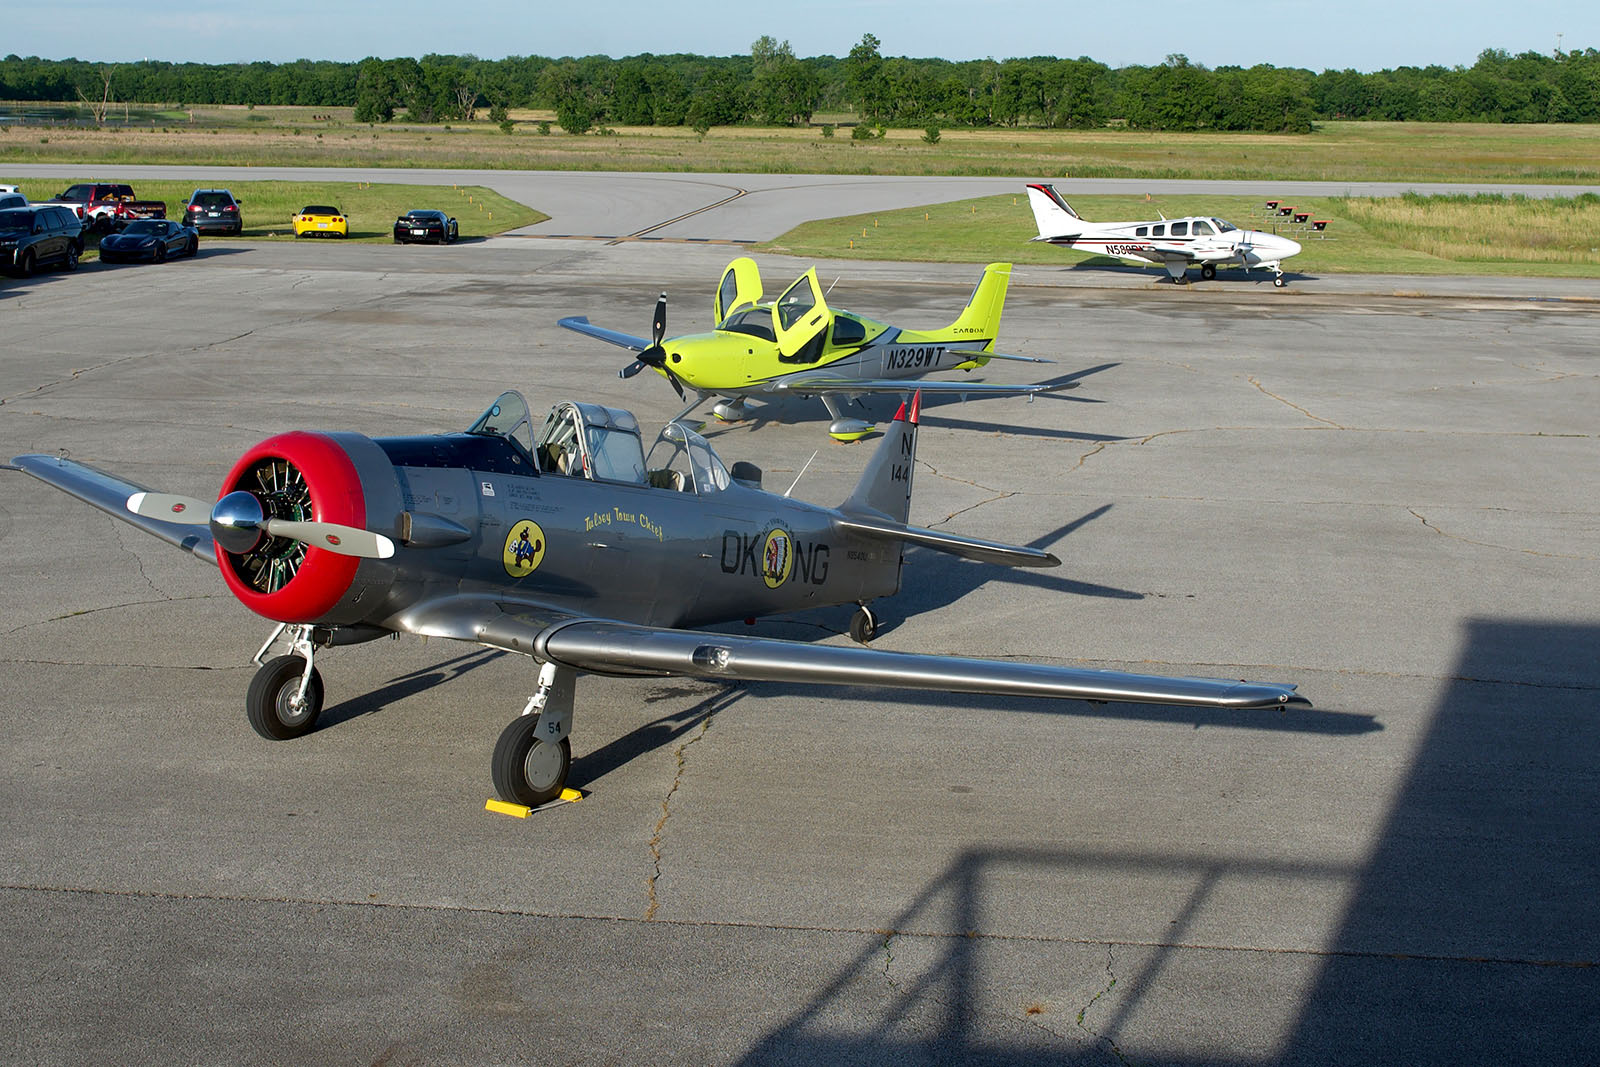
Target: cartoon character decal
[(524, 549)]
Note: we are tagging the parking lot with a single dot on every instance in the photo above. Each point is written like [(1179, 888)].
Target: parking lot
[(1385, 496)]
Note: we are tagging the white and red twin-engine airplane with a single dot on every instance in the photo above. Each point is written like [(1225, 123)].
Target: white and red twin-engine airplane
[(1175, 244)]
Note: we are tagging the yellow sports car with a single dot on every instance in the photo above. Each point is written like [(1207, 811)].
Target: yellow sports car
[(321, 220)]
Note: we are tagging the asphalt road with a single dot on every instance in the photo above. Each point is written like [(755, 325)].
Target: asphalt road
[(1386, 498)]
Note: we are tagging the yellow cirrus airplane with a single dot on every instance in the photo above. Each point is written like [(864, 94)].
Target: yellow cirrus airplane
[(797, 345)]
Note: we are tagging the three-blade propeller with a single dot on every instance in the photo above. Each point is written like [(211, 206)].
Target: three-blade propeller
[(238, 524), (655, 356)]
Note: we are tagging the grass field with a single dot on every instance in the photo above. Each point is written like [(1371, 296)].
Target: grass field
[(1336, 151), (370, 208), (1402, 235)]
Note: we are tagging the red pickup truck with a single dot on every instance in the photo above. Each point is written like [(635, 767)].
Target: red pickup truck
[(106, 206)]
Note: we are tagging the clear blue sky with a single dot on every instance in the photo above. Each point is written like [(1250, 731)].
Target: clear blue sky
[(1364, 34)]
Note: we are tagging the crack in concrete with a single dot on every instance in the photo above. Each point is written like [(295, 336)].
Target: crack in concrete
[(1442, 532), (138, 561), (652, 901), (104, 607), (1084, 1011), (998, 494), (1318, 418)]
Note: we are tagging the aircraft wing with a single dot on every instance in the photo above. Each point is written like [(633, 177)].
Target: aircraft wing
[(814, 384), (600, 646), (581, 324), (603, 647), (110, 494), (1165, 253)]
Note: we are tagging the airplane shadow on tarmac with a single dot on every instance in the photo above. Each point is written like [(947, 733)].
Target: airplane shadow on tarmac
[(406, 685), (1471, 935), (1106, 265)]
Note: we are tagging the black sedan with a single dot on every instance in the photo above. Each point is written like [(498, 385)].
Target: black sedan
[(432, 226), (152, 239)]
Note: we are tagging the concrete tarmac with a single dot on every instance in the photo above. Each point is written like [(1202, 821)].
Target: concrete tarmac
[(1383, 490)]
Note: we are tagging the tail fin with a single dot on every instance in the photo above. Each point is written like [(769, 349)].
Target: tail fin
[(981, 316), (884, 491), (1053, 215)]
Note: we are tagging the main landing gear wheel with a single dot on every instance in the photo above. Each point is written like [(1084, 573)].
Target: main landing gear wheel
[(1278, 281), (527, 770), (1208, 271), (863, 625), (273, 703)]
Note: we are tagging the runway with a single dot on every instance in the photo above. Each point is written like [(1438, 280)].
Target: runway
[(757, 207), (1380, 489)]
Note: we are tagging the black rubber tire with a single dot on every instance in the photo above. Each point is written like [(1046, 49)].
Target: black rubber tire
[(1208, 271), (266, 704), (510, 764), (26, 265), (160, 254), (71, 262), (1279, 282), (863, 626), (194, 247)]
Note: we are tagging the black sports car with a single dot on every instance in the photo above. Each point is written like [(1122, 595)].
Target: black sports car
[(152, 239), (425, 225)]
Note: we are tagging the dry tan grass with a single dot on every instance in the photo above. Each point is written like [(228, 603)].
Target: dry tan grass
[(1486, 229), (1340, 151)]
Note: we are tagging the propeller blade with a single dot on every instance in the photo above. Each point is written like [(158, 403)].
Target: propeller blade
[(331, 537), (658, 325), (673, 378), (168, 507), (630, 370)]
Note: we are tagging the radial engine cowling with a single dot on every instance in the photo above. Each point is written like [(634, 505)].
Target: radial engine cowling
[(321, 477)]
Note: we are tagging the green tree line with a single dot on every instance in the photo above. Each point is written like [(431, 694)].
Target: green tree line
[(772, 86)]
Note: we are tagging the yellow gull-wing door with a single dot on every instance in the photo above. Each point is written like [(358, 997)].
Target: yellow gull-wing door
[(741, 287), (800, 315)]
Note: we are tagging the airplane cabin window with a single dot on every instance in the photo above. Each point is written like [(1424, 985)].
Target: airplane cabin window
[(1159, 231), (1142, 231), (847, 331), (757, 322), (1180, 229), (1202, 228)]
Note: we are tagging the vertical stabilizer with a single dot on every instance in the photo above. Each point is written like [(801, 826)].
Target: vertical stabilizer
[(981, 317), (885, 487), (1053, 215)]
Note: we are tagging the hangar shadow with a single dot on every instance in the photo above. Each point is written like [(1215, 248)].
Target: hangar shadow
[(1472, 935)]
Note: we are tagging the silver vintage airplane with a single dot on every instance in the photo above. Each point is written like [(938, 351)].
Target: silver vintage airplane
[(1176, 244), (569, 545)]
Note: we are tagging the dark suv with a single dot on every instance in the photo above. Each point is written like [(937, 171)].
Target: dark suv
[(32, 236), (214, 210)]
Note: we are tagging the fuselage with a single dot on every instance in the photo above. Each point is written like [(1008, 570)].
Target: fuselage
[(653, 555), (742, 354), (1201, 239)]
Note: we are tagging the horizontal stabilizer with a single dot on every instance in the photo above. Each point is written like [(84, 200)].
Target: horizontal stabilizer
[(621, 648), (965, 547)]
